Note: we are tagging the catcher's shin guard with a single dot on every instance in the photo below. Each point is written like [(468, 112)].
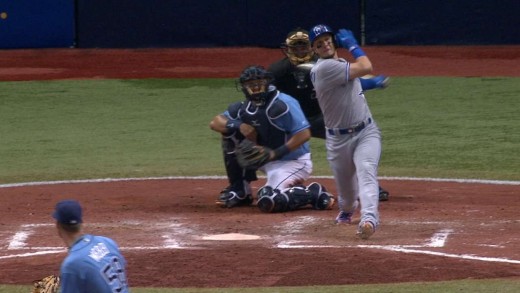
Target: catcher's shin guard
[(383, 194), (315, 195), (238, 193), (299, 197), (272, 200), (322, 200), (232, 199)]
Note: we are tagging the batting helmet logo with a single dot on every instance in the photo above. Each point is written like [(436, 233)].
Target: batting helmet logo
[(319, 30)]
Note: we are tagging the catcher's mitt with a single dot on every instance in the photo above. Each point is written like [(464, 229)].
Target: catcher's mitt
[(49, 284), (252, 156)]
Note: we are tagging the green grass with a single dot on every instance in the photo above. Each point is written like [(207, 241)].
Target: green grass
[(450, 127), (432, 127), (488, 286), (80, 129), (90, 129)]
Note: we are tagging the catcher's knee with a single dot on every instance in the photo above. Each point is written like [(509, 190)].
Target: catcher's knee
[(230, 141), (272, 200), (228, 145)]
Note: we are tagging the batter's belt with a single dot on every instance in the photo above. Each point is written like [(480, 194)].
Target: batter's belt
[(343, 131)]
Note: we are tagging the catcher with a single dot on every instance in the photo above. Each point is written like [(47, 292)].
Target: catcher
[(291, 76), (269, 132)]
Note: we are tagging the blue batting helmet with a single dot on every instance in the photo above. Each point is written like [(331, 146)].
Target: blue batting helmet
[(319, 30)]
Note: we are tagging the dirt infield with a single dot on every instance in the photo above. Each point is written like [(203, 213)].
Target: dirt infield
[(430, 230), (227, 62)]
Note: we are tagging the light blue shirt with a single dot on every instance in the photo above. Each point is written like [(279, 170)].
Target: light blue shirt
[(94, 264)]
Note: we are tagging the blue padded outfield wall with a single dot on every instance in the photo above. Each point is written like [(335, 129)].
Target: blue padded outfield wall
[(264, 23), (36, 23)]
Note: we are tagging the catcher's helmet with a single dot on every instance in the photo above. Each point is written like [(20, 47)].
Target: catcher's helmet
[(297, 46), (255, 82), (319, 30)]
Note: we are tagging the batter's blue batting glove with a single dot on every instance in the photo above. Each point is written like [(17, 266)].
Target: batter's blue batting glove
[(346, 38), (347, 41)]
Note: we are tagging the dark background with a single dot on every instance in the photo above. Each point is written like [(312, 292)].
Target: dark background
[(256, 23)]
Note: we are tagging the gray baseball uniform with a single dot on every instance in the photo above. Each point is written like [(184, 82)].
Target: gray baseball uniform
[(353, 138)]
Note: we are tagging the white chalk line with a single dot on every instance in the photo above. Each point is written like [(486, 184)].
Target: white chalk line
[(56, 250), (395, 248), (101, 180), (18, 239), (31, 254), (398, 248), (437, 240)]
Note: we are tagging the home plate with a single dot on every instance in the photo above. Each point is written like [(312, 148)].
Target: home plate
[(231, 236)]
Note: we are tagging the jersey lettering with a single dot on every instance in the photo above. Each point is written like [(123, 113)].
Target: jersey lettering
[(98, 251), (114, 274)]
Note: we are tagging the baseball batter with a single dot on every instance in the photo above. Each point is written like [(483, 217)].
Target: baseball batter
[(353, 139), (291, 76)]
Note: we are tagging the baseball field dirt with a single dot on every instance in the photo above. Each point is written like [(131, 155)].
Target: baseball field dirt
[(430, 230)]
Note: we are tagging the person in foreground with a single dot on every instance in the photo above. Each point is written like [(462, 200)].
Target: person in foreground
[(269, 132), (353, 139), (94, 263)]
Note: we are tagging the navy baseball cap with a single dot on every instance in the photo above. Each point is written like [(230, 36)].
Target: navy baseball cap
[(68, 212)]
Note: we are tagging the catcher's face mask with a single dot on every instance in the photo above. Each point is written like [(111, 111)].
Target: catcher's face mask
[(254, 83), (256, 90), (297, 47)]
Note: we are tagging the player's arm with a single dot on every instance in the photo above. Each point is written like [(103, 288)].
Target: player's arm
[(218, 124), (293, 143), (225, 125), (293, 121), (69, 282), (369, 82), (362, 66), (229, 121), (298, 139)]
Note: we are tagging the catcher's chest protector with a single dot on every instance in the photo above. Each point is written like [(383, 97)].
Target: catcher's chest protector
[(269, 134)]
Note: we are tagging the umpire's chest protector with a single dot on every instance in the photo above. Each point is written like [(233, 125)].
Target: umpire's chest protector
[(262, 119)]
